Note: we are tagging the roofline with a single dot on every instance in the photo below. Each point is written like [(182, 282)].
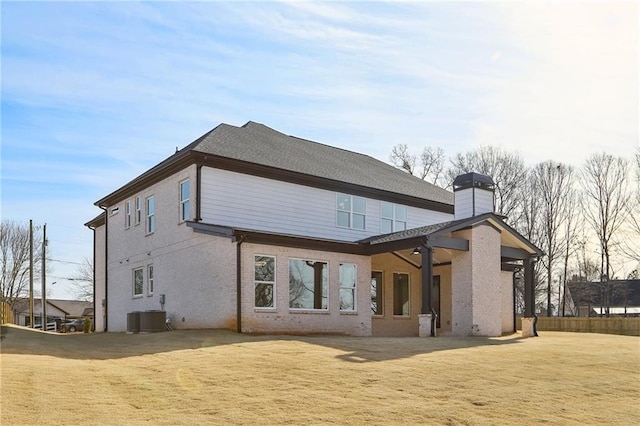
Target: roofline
[(187, 157), (97, 221)]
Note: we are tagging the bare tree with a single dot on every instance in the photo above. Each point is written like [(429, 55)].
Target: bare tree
[(432, 166), (553, 181), (571, 227), (507, 170), (605, 180), (631, 244), (402, 159), (428, 167), (82, 280), (14, 260)]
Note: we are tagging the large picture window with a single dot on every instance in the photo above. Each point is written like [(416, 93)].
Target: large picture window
[(138, 282), (264, 281), (151, 215), (401, 294), (185, 208), (393, 217), (347, 287), (350, 211), (308, 284), (376, 293)]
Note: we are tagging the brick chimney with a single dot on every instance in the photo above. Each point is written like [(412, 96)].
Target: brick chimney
[(473, 195)]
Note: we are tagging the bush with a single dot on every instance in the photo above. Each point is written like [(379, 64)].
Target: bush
[(87, 325)]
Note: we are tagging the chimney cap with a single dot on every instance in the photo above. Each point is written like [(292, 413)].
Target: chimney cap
[(473, 180)]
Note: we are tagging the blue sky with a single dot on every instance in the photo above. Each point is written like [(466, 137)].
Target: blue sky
[(93, 94)]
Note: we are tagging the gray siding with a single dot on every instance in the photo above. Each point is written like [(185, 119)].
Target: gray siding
[(250, 202)]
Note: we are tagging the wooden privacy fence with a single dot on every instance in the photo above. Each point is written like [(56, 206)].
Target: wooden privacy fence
[(6, 314), (611, 325)]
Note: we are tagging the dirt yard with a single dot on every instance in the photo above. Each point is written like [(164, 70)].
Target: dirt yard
[(219, 377)]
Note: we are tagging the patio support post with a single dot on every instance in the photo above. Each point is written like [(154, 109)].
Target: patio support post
[(427, 285), (529, 319)]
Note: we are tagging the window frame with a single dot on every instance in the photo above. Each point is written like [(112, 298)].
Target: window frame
[(393, 219), (150, 279), (379, 295), (353, 288), (257, 282), (185, 203), (402, 315), (134, 282), (138, 211), (324, 285), (127, 214), (150, 221), (351, 212)]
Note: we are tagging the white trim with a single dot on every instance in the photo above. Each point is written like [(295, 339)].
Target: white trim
[(272, 283), (351, 211), (354, 288), (378, 290), (127, 214), (150, 279), (150, 221), (182, 202), (138, 211), (133, 282), (312, 310)]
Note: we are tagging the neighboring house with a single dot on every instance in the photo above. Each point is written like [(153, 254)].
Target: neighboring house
[(250, 229), (590, 298), (56, 309)]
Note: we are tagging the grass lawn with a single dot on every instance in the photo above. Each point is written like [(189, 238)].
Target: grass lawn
[(219, 377)]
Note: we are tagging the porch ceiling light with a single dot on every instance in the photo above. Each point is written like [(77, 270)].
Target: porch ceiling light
[(416, 251)]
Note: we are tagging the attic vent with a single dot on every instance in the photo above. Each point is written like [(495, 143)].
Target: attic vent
[(115, 210)]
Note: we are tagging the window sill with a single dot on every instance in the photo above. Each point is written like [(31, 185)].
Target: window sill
[(377, 316), (401, 317), (309, 311), (348, 312), (137, 296), (265, 310)]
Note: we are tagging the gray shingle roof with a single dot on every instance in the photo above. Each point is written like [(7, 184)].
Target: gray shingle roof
[(259, 144)]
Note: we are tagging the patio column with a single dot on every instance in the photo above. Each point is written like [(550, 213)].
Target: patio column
[(427, 319), (529, 319)]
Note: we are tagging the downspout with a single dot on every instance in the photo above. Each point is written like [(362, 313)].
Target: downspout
[(198, 192), (427, 278), (106, 271), (239, 242), (93, 324)]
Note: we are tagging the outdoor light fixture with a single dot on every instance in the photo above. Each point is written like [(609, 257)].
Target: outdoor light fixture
[(416, 251)]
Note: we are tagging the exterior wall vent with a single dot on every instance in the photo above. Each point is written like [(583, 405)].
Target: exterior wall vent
[(473, 194)]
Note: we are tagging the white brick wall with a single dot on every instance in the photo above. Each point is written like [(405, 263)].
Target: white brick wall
[(284, 320), (476, 284)]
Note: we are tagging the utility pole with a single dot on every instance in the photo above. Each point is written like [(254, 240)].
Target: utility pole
[(43, 298), (31, 320)]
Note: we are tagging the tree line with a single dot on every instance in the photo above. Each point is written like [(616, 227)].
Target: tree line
[(585, 219)]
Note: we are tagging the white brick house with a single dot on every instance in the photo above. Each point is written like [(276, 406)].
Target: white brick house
[(250, 229)]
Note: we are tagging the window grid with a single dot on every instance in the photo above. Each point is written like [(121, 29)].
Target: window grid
[(348, 281), (138, 214), (393, 217), (308, 284), (127, 214), (150, 280), (264, 281), (138, 282), (185, 210), (351, 211), (151, 215)]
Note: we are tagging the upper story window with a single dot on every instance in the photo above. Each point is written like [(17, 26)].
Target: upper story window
[(138, 213), (350, 211), (151, 214), (127, 214), (185, 210), (308, 284), (393, 217)]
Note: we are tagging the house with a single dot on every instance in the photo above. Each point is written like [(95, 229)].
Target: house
[(59, 309), (253, 230), (590, 298)]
